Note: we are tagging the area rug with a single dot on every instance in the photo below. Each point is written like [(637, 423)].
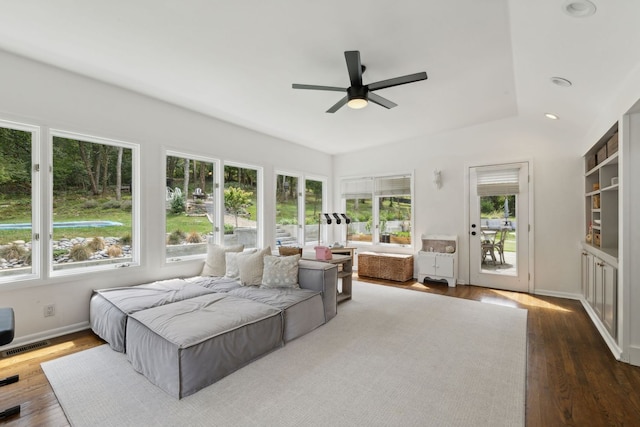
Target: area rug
[(390, 357)]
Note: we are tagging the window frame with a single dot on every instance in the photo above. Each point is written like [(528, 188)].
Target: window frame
[(259, 198), (302, 204), (36, 207), (375, 207), (218, 203), (135, 203)]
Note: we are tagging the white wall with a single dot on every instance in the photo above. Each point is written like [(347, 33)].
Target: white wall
[(45, 96), (557, 183)]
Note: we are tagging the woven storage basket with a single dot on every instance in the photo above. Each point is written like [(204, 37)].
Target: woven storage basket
[(289, 251)]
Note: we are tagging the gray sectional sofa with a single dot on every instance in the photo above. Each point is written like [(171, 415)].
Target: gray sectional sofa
[(185, 334)]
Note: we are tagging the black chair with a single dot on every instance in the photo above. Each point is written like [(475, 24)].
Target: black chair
[(7, 330)]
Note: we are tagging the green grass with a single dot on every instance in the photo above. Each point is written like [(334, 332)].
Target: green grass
[(188, 224)]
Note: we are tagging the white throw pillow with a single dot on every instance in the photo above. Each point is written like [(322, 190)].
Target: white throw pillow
[(231, 260), (251, 266), (280, 272), (215, 264)]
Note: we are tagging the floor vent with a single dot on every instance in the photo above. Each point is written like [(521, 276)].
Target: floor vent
[(25, 348)]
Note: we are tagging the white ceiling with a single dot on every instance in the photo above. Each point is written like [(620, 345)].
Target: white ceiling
[(236, 60)]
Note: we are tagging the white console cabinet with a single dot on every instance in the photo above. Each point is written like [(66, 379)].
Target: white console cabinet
[(438, 258)]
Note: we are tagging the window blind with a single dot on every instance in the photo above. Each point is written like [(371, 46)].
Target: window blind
[(393, 186), (497, 182), (357, 188)]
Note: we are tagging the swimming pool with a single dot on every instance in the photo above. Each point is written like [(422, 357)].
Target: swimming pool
[(69, 224)]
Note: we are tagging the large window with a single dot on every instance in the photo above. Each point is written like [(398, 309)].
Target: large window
[(380, 209), (19, 219), (190, 204), (242, 200), (93, 206)]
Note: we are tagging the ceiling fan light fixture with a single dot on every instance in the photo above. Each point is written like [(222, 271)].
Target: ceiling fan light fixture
[(357, 103), (561, 81), (579, 8), (357, 97)]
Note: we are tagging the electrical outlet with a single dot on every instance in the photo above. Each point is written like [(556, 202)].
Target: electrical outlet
[(49, 310)]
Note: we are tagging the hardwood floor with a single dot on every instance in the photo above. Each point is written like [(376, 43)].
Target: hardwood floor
[(572, 378)]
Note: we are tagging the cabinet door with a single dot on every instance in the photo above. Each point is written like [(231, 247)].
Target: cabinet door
[(587, 276), (610, 296), (444, 266), (598, 287), (427, 263)]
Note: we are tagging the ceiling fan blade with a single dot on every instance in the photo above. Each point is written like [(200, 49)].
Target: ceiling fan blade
[(315, 87), (398, 81), (338, 105), (384, 102), (354, 67)]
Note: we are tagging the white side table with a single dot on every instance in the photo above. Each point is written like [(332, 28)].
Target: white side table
[(435, 262)]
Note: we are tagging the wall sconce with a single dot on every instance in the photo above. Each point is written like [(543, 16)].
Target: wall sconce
[(437, 179)]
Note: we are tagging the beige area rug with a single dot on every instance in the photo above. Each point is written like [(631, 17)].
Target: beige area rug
[(391, 357)]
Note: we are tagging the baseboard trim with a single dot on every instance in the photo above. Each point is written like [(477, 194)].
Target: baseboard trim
[(634, 355), (608, 339), (566, 295), (46, 335)]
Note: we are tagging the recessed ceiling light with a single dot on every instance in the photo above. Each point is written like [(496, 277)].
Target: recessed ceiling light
[(561, 81), (579, 8), (551, 116)]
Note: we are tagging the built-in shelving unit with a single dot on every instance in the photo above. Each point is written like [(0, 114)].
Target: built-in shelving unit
[(602, 231), (601, 194)]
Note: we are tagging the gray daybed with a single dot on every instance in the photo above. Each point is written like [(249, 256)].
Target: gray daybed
[(184, 334)]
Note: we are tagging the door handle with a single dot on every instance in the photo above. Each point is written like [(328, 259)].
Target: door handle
[(473, 233)]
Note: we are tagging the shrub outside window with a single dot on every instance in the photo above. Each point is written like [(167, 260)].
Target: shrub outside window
[(94, 215)]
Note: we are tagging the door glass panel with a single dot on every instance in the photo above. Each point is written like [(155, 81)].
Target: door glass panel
[(312, 208), (498, 220), (241, 206), (286, 210)]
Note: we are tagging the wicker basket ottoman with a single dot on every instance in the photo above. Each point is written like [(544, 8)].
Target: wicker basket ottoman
[(397, 267)]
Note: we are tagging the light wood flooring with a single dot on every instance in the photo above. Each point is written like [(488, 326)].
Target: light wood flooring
[(572, 378)]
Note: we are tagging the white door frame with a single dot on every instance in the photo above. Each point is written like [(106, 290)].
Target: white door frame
[(468, 237)]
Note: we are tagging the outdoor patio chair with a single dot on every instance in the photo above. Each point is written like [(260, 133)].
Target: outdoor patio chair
[(499, 243), (488, 246)]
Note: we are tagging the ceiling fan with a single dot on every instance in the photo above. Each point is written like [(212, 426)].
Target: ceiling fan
[(359, 95)]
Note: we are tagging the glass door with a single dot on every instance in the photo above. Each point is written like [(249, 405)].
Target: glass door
[(499, 226)]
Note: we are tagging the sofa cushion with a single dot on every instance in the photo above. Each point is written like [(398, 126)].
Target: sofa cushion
[(280, 272), (251, 266), (215, 264)]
